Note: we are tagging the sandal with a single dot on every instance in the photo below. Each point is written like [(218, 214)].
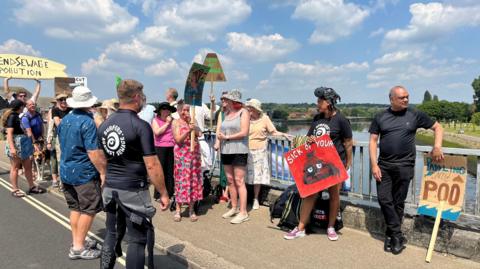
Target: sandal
[(193, 217), (18, 193), (35, 190), (177, 217)]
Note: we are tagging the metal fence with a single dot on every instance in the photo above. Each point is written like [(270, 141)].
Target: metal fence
[(363, 186)]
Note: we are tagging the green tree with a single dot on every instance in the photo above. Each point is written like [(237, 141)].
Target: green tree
[(476, 95), (427, 96), (435, 98), (476, 118)]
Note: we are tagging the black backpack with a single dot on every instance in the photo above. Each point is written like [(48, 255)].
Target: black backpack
[(287, 208)]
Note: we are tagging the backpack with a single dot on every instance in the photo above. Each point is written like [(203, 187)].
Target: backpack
[(289, 204)]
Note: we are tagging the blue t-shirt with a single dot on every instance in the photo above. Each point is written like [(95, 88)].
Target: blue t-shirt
[(34, 122), (77, 135)]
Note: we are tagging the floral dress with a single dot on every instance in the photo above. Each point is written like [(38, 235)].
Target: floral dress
[(188, 180)]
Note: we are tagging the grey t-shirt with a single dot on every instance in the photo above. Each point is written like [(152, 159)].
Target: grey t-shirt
[(397, 131)]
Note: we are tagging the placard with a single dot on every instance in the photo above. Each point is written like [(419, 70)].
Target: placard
[(66, 85), (216, 72), (29, 67), (445, 180), (194, 85), (316, 166)]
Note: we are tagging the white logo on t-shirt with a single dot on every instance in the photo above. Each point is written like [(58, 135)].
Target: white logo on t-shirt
[(113, 140), (321, 129)]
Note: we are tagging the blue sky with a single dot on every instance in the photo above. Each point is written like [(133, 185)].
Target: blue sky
[(276, 51)]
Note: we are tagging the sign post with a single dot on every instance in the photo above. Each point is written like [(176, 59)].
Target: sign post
[(442, 191), (193, 92), (215, 74)]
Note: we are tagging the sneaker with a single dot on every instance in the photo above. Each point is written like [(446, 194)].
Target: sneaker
[(294, 234), (239, 218), (90, 243), (331, 234), (55, 184), (84, 254), (230, 213), (255, 205)]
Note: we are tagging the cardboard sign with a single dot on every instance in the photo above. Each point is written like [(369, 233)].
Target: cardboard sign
[(66, 85), (29, 67), (445, 181), (315, 166), (216, 71), (194, 85)]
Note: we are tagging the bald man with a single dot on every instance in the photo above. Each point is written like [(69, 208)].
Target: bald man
[(396, 127)]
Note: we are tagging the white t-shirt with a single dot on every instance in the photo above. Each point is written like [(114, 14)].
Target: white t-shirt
[(147, 114)]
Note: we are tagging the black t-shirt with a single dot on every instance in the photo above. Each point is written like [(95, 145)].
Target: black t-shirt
[(338, 127), (13, 121), (57, 112), (126, 139), (397, 131)]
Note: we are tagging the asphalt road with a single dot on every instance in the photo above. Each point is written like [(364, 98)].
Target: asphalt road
[(34, 233)]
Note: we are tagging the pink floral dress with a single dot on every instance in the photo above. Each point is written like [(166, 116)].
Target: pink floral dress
[(187, 171)]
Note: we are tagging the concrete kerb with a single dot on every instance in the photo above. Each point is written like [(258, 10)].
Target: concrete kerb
[(188, 254)]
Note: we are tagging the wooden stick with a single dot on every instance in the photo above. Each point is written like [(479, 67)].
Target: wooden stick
[(431, 246), (192, 133), (211, 105)]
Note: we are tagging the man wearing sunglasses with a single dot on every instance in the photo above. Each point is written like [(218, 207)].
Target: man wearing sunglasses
[(21, 95)]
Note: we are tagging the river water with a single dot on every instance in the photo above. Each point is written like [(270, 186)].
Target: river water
[(360, 134)]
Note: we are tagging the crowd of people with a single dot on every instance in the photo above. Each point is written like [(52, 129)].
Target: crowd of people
[(104, 156)]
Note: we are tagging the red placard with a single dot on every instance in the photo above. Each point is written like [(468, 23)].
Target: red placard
[(316, 166)]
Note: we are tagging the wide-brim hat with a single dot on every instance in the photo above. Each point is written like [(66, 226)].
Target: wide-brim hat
[(255, 103), (61, 95), (81, 98), (165, 105), (108, 104), (234, 95)]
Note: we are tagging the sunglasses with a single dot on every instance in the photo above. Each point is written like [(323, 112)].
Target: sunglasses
[(62, 99), (22, 95)]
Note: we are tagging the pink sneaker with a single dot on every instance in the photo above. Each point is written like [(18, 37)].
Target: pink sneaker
[(294, 234), (331, 234)]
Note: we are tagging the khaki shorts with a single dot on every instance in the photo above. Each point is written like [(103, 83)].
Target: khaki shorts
[(85, 198)]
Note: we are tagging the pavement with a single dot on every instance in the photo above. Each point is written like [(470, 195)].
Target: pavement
[(213, 242)]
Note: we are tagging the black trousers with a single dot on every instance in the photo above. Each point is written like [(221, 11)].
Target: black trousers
[(116, 224), (392, 192), (165, 154)]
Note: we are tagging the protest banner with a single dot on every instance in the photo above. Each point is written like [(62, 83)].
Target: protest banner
[(194, 90), (29, 67), (442, 191), (316, 166), (214, 74), (66, 85)]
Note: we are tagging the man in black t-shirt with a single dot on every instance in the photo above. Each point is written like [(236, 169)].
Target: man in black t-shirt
[(129, 148), (396, 127)]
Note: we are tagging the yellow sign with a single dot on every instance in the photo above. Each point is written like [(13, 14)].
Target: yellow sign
[(443, 181), (29, 67)]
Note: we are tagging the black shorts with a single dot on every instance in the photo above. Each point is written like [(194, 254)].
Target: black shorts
[(85, 198), (239, 159)]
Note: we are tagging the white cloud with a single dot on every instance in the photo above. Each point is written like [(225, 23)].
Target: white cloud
[(180, 23), (400, 56), (300, 69), (377, 32), (261, 48), (239, 75), (435, 20), (133, 49), (17, 47), (85, 19), (164, 67), (333, 18)]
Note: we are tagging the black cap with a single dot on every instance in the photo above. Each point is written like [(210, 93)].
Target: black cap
[(16, 104), (328, 94), (165, 105)]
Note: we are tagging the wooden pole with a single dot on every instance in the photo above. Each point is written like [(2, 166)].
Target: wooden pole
[(211, 105), (431, 246), (192, 120)]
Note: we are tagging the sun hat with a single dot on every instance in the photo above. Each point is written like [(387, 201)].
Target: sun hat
[(165, 105), (255, 103), (108, 104), (81, 98), (328, 94), (233, 95), (61, 95)]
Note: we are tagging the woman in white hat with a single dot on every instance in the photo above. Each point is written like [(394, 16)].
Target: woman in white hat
[(260, 128), (232, 139)]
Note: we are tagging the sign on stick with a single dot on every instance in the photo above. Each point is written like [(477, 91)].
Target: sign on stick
[(316, 166), (194, 86), (29, 67), (443, 181)]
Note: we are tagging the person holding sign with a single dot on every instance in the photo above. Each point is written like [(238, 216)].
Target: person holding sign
[(329, 121), (21, 95), (232, 140), (396, 127)]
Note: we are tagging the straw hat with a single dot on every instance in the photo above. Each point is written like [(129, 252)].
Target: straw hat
[(108, 104), (255, 103)]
